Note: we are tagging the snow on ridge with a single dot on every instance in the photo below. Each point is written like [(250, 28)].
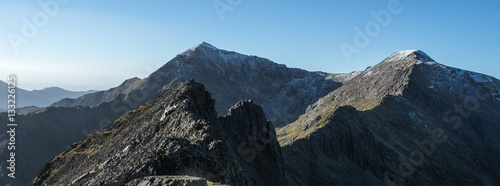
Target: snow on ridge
[(401, 55), (405, 54), (475, 76), (232, 56), (208, 49), (224, 58), (459, 80), (204, 45), (208, 45), (343, 77), (200, 46), (480, 78)]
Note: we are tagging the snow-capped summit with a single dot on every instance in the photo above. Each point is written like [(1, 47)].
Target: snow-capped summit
[(221, 58), (202, 46), (206, 45), (410, 54), (232, 76)]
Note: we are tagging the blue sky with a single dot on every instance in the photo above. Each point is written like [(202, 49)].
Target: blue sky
[(95, 44)]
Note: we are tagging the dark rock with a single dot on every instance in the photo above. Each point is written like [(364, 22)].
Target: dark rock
[(168, 180), (176, 134), (370, 131), (284, 93)]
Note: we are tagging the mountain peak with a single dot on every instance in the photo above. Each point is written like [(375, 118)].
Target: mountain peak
[(410, 54), (205, 45)]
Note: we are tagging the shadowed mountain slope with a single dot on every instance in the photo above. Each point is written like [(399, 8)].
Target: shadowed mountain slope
[(407, 120), (284, 93), (176, 134)]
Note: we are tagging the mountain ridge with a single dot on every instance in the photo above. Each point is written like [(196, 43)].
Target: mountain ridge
[(221, 70), (185, 137), (101, 96), (428, 87), (40, 98), (283, 95), (372, 126)]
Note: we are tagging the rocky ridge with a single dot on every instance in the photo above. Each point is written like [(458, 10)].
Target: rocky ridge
[(284, 93), (178, 133), (372, 130), (407, 120)]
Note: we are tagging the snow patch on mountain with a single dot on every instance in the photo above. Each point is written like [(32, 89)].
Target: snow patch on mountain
[(201, 46), (410, 54), (343, 77), (205, 45), (231, 56), (458, 81), (480, 78)]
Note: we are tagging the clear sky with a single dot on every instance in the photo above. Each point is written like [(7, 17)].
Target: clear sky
[(97, 44)]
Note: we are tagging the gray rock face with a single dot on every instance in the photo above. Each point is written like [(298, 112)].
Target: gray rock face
[(361, 133), (42, 135), (168, 180), (284, 93), (176, 134), (406, 121)]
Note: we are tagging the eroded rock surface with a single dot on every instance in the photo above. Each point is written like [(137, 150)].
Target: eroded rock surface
[(176, 134)]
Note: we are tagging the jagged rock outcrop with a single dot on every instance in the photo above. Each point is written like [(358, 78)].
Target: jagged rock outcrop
[(406, 121), (178, 133)]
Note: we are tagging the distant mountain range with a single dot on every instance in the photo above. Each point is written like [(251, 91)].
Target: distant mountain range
[(407, 120), (39, 98)]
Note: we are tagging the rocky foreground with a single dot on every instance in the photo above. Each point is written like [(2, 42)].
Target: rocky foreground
[(176, 134)]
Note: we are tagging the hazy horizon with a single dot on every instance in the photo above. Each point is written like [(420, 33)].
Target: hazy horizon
[(83, 45)]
